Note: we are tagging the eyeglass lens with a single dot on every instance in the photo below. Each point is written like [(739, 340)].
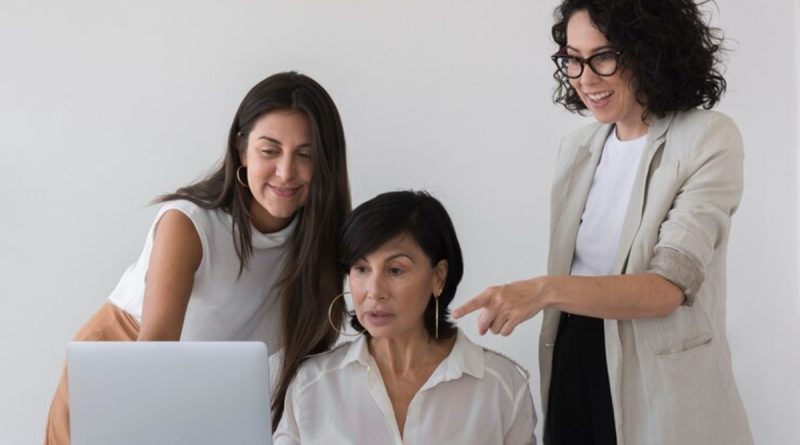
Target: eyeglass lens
[(603, 64)]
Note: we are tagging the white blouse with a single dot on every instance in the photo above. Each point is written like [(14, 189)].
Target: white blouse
[(475, 396)]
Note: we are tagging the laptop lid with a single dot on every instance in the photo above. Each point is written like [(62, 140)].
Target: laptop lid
[(169, 393)]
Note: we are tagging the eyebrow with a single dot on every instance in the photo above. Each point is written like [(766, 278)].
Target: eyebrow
[(388, 258), (398, 255), (277, 142), (391, 257), (594, 51)]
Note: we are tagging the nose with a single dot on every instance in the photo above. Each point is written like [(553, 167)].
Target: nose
[(374, 288), (588, 75), (286, 169)]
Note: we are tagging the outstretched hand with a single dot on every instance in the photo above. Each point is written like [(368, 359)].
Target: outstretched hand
[(504, 307)]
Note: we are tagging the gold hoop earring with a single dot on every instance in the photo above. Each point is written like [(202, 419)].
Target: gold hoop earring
[(330, 318), (239, 179)]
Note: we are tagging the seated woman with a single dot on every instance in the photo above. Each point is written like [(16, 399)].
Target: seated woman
[(411, 377)]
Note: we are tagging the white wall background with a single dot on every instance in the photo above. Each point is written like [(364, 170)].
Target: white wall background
[(104, 104)]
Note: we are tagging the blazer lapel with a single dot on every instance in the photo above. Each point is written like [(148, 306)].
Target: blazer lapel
[(565, 227), (633, 216)]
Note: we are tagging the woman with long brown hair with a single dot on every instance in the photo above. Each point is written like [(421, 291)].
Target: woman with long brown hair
[(248, 253)]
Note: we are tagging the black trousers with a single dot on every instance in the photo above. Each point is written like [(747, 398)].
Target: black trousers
[(579, 409)]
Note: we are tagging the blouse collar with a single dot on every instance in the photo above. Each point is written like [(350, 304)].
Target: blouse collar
[(465, 358)]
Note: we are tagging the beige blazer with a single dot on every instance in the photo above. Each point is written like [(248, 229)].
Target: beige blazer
[(671, 378)]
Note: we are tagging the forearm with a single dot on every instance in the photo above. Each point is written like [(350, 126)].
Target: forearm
[(614, 297), (160, 332)]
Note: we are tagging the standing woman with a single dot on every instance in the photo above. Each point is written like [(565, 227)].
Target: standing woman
[(249, 253), (633, 347)]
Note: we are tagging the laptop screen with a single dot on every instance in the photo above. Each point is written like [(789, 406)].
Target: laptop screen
[(169, 393)]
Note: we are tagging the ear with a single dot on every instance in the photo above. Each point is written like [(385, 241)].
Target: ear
[(440, 272), (242, 149)]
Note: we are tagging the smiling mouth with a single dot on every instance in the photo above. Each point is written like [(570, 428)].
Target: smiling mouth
[(284, 192), (599, 97)]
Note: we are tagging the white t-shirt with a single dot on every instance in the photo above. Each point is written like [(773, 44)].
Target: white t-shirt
[(597, 243), (223, 305), (474, 396)]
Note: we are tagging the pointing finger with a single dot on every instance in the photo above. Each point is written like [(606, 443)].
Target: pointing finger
[(471, 306)]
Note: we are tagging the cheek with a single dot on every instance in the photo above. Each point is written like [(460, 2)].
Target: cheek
[(574, 83), (623, 85), (357, 292), (418, 300), (306, 172), (259, 168)]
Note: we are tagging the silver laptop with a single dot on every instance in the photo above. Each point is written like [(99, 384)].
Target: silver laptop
[(169, 393)]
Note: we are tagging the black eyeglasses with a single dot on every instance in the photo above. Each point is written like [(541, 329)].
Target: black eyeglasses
[(603, 64)]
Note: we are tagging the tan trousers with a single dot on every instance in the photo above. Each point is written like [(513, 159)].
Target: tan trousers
[(109, 323)]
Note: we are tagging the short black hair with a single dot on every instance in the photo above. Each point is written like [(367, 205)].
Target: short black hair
[(672, 52), (420, 216)]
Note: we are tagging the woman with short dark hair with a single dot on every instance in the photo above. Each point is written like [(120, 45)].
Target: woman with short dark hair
[(633, 347), (411, 377)]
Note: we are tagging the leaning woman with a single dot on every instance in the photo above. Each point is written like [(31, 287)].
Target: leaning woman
[(633, 347), (410, 377), (249, 252)]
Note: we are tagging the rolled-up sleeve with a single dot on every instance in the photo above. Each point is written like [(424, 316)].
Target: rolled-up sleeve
[(699, 219)]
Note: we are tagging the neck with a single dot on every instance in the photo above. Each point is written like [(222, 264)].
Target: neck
[(264, 222), (632, 129), (398, 355)]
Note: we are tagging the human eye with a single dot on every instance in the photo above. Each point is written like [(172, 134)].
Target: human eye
[(568, 61), (270, 151), (304, 154), (359, 268), (396, 271), (608, 56)]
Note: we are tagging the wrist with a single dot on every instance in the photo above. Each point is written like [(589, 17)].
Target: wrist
[(548, 290), (539, 290)]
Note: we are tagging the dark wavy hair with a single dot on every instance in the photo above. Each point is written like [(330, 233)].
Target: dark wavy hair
[(311, 277), (420, 216), (672, 52)]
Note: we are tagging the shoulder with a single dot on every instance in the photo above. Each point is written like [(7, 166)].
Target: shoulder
[(498, 370), (188, 208), (203, 219), (505, 368), (697, 121), (318, 366), (577, 140), (700, 133), (584, 134)]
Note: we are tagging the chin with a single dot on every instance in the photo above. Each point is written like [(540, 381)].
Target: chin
[(282, 212), (379, 333), (280, 209), (603, 118)]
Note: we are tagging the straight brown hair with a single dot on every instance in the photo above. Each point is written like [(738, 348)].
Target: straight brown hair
[(311, 277)]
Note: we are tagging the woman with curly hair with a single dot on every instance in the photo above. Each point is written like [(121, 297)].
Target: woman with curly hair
[(633, 347)]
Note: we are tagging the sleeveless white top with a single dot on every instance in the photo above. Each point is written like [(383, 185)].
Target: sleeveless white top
[(223, 305)]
